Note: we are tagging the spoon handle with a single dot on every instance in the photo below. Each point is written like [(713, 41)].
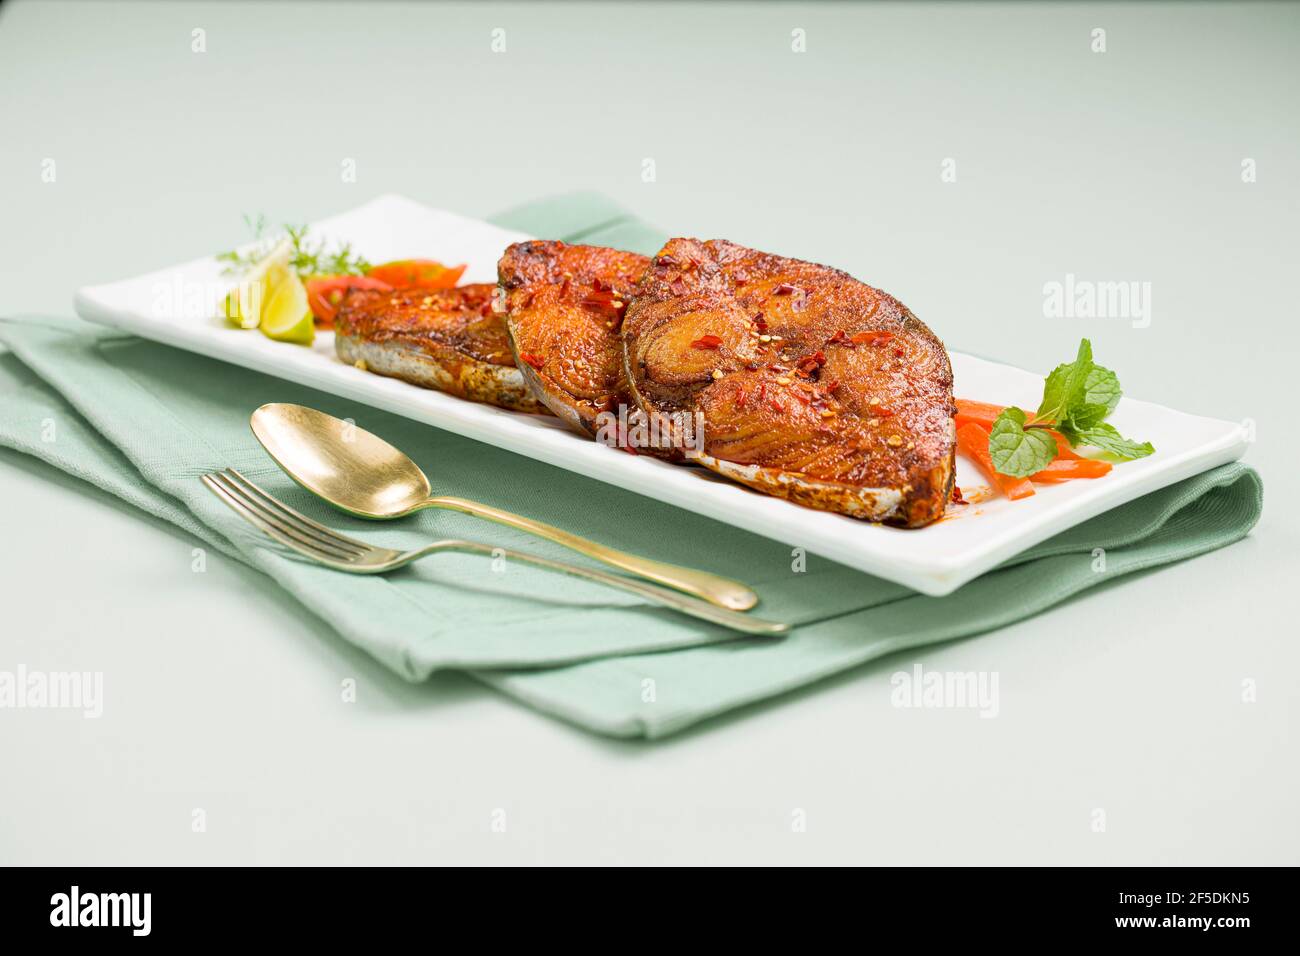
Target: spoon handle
[(720, 591), (733, 620)]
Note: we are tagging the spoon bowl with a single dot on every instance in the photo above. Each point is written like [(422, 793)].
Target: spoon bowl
[(354, 470)]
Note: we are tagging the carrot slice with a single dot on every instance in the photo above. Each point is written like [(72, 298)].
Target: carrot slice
[(974, 421), (981, 412), (985, 414), (1066, 469), (1063, 450), (973, 440)]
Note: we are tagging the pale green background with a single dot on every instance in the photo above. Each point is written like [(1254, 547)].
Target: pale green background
[(1118, 166)]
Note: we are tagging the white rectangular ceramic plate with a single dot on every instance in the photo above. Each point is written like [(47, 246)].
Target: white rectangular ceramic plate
[(175, 306)]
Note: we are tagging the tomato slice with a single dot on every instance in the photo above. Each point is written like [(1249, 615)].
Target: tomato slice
[(324, 293), (417, 274)]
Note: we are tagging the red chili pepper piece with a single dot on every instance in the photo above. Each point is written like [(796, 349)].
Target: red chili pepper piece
[(873, 338), (810, 363), (706, 342)]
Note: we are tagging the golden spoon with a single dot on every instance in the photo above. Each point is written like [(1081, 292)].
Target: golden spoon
[(362, 474)]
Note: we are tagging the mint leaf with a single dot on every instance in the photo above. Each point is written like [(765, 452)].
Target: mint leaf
[(1108, 439), (1066, 386), (1078, 397), (1085, 416), (1055, 399), (1101, 387), (1016, 451)]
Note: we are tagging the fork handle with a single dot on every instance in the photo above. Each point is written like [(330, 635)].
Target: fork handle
[(733, 620), (717, 590)]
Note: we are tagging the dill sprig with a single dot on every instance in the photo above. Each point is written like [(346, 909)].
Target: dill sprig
[(307, 256)]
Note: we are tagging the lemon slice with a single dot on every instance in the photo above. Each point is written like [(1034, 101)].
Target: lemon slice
[(286, 316), (245, 303)]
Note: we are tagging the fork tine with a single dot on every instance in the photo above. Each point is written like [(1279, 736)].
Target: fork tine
[(282, 532), (295, 519), (219, 488)]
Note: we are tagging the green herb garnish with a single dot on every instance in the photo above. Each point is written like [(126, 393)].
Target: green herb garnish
[(1017, 450), (308, 257), (1077, 398)]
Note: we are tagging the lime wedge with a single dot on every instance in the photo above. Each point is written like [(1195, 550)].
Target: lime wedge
[(243, 306), (286, 316)]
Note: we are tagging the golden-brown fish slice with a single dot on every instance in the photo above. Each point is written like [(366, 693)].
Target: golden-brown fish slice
[(564, 305), (451, 340), (813, 386)]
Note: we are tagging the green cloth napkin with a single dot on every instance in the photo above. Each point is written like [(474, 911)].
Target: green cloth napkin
[(144, 421)]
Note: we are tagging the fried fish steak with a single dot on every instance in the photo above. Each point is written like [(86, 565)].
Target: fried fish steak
[(564, 305), (811, 385), (448, 339)]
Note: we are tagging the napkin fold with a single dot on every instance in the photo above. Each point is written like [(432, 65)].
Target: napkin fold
[(144, 421)]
